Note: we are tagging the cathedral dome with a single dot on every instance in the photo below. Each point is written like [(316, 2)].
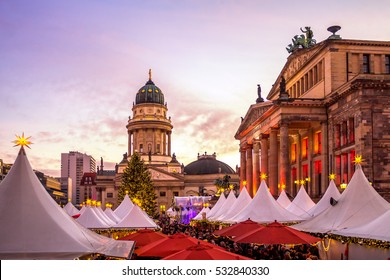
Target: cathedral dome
[(149, 93), (207, 164)]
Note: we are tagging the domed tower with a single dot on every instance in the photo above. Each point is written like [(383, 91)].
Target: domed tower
[(149, 130)]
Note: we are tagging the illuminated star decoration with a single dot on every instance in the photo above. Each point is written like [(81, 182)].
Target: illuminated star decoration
[(263, 176), (332, 176), (358, 159), (22, 141)]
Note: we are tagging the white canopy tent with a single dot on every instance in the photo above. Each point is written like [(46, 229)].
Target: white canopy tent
[(71, 209), (33, 226), (358, 205), (324, 203), (241, 202), (109, 213), (217, 205), (378, 229), (99, 211), (136, 218), (90, 219), (301, 204), (264, 209), (231, 198), (124, 207), (199, 216), (283, 199)]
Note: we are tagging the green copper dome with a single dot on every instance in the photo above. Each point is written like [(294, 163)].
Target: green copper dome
[(149, 93)]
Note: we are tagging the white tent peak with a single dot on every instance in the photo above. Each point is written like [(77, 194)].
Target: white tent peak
[(283, 199), (264, 209), (231, 198), (241, 202), (34, 226), (324, 203), (124, 207), (359, 204), (301, 204)]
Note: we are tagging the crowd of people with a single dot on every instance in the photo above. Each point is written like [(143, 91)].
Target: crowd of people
[(205, 231)]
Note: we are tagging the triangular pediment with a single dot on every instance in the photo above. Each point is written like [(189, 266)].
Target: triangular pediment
[(255, 113), (158, 174)]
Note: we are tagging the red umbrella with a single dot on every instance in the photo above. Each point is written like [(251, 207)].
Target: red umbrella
[(239, 229), (169, 245), (144, 237), (204, 252), (276, 233)]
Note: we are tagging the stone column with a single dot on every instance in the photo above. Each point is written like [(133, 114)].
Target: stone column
[(284, 171), (164, 134), (135, 141), (256, 167), (264, 154), (242, 167), (169, 143), (249, 169), (273, 162), (129, 150), (324, 156)]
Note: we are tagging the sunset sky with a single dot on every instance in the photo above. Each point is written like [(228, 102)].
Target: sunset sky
[(69, 70)]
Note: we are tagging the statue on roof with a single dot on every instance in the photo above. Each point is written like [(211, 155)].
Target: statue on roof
[(259, 98), (302, 41)]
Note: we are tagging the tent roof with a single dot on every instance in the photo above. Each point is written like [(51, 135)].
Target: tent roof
[(359, 204), (231, 198), (90, 219), (264, 209), (324, 202), (124, 208), (136, 218), (71, 209), (217, 205), (378, 229), (301, 204), (109, 213), (241, 202), (283, 199), (33, 226)]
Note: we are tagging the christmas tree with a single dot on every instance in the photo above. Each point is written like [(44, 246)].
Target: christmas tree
[(137, 183)]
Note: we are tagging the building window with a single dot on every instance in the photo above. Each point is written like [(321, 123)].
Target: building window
[(338, 169), (366, 63), (141, 148), (294, 153), (337, 133), (158, 148), (162, 194), (317, 143), (351, 166), (110, 195), (344, 134), (387, 64), (305, 147), (344, 168), (351, 131), (175, 193)]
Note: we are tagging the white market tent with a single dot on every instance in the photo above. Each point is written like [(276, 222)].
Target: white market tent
[(241, 202), (301, 204), (71, 209), (124, 208), (109, 213), (324, 203), (231, 198), (264, 209), (136, 218), (358, 205), (378, 229), (34, 226), (99, 211), (91, 220), (283, 199), (200, 214), (217, 205)]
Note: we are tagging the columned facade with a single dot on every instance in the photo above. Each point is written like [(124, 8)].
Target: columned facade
[(321, 112)]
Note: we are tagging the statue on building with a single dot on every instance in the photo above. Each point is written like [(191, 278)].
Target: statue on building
[(283, 95), (302, 41), (259, 98)]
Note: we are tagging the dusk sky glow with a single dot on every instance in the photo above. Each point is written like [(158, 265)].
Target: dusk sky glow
[(70, 69)]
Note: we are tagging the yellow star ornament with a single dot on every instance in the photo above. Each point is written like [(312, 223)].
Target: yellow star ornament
[(358, 159), (332, 176), (22, 141)]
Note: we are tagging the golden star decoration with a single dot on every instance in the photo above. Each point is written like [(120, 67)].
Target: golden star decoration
[(263, 176), (22, 141), (358, 159), (332, 176)]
